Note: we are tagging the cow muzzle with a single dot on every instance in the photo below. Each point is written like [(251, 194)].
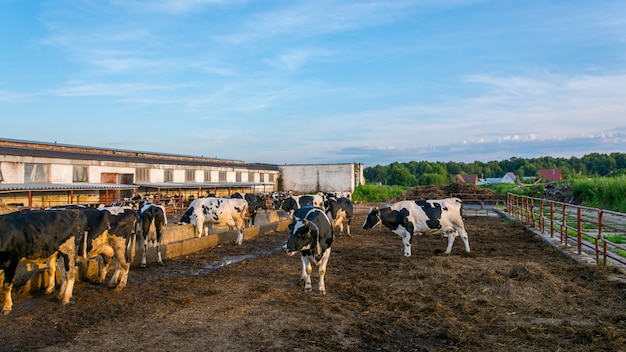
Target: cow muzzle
[(286, 250)]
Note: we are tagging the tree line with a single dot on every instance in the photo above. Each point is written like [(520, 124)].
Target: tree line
[(416, 173)]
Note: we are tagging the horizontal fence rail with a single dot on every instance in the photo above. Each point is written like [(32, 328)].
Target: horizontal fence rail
[(599, 232)]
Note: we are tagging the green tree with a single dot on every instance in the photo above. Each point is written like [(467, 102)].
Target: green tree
[(400, 175)]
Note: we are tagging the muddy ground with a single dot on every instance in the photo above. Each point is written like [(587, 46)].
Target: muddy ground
[(511, 293)]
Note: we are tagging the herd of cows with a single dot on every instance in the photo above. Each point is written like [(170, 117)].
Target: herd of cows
[(63, 235)]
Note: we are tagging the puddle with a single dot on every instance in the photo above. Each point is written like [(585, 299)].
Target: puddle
[(225, 261)]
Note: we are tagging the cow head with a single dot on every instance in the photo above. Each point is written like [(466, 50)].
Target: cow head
[(373, 218), (301, 238), (186, 218)]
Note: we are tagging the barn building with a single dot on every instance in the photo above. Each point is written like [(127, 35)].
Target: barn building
[(37, 174)]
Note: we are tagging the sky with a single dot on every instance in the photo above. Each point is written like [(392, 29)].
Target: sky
[(325, 81)]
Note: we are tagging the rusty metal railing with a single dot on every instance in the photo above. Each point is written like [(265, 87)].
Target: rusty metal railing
[(596, 231)]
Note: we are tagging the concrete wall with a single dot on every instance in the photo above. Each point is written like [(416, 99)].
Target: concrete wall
[(314, 178)]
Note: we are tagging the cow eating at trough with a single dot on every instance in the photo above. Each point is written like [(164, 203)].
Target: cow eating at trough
[(40, 234), (408, 218), (311, 234), (230, 212)]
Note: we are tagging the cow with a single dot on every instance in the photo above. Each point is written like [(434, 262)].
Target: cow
[(151, 223), (341, 211), (293, 203), (311, 234), (39, 234), (116, 245), (216, 211), (338, 195), (408, 218), (110, 232), (254, 203)]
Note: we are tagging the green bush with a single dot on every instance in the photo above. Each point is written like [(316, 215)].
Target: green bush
[(377, 193)]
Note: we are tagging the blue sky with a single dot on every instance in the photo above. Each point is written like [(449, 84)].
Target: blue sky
[(327, 81)]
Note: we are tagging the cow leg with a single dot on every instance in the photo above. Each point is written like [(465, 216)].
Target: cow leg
[(120, 276), (306, 272), (7, 286), (239, 239), (8, 302), (131, 248), (51, 269), (406, 242), (69, 250), (158, 251), (143, 252), (61, 265), (104, 269), (465, 239), (406, 239), (451, 236), (322, 271)]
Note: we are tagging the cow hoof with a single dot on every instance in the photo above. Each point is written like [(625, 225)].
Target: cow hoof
[(118, 288), (6, 311), (142, 265)]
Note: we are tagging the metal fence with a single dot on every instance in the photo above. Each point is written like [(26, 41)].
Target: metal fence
[(599, 232)]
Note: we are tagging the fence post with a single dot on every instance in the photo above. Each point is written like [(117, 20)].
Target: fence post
[(579, 229)]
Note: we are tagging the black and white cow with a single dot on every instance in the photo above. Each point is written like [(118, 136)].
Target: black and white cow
[(117, 245), (151, 222), (408, 218), (255, 203), (40, 234), (230, 212), (293, 203), (311, 234), (341, 211), (110, 232)]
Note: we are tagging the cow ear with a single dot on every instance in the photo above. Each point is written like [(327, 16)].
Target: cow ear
[(377, 208)]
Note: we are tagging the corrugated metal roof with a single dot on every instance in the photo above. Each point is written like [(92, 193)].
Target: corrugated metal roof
[(61, 186), (172, 185), (16, 187)]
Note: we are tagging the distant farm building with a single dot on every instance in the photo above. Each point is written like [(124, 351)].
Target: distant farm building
[(36, 174), (550, 174)]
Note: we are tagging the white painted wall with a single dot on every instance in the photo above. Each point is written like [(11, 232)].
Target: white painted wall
[(313, 178)]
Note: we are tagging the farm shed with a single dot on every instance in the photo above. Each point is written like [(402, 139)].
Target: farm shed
[(37, 174)]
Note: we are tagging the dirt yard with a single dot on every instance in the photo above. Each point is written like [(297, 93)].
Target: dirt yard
[(511, 293)]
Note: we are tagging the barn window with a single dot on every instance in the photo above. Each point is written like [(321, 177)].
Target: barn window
[(222, 176), (190, 175), (1, 178), (271, 176), (207, 176), (168, 175), (79, 174), (34, 173), (250, 176), (238, 176), (261, 177), (143, 175)]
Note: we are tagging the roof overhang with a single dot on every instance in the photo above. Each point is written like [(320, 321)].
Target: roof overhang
[(17, 187)]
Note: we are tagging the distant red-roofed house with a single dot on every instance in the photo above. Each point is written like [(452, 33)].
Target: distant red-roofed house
[(550, 174), (469, 178)]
